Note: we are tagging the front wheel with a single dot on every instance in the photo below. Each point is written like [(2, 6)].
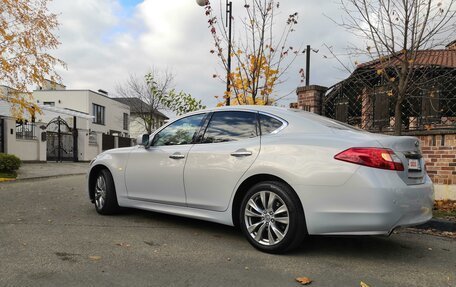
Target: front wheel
[(272, 218), (105, 193)]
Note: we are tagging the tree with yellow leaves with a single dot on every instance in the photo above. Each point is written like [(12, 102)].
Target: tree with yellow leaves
[(26, 34), (261, 57)]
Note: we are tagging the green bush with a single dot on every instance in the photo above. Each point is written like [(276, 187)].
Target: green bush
[(9, 162)]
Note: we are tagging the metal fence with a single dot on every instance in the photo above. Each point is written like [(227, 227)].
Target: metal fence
[(367, 99), (107, 142), (25, 131)]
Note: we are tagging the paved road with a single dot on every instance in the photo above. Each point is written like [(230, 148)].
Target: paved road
[(50, 235)]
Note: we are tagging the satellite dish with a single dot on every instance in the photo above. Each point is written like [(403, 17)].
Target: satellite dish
[(202, 2)]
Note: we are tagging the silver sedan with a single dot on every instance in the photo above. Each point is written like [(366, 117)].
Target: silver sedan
[(279, 174)]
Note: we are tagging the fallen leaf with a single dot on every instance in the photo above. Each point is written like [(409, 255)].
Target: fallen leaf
[(123, 244), (304, 280), (362, 284), (95, 257)]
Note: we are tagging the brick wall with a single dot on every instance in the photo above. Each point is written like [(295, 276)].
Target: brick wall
[(310, 97), (439, 152)]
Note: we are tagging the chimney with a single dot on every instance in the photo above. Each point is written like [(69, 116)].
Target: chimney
[(103, 92)]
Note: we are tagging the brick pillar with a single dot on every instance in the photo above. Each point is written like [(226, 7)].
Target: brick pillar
[(310, 98), (367, 111)]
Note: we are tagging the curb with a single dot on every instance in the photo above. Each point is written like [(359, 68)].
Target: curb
[(438, 224), (48, 176)]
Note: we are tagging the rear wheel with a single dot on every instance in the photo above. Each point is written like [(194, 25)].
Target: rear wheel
[(105, 193), (271, 217)]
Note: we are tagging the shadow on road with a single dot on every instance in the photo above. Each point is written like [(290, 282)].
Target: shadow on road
[(348, 246)]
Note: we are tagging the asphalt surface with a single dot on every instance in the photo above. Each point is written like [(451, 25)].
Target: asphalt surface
[(50, 235), (51, 169)]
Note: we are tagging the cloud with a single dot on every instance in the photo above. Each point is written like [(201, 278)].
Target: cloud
[(103, 41)]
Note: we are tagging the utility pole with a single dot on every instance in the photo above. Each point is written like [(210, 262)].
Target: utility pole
[(308, 66), (229, 16)]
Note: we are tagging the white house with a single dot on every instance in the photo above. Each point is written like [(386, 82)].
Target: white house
[(110, 116), (73, 125), (35, 141)]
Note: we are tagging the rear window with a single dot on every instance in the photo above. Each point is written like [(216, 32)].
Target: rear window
[(269, 124)]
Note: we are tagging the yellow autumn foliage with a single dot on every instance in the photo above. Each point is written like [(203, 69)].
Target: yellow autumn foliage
[(25, 37), (252, 83)]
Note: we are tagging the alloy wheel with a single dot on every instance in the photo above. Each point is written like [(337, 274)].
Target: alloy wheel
[(266, 218), (100, 192)]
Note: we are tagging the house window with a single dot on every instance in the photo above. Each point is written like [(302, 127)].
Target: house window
[(381, 109), (99, 114), (342, 110), (52, 104), (125, 121)]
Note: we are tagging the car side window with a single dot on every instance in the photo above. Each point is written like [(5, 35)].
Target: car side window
[(269, 124), (180, 132), (231, 126)]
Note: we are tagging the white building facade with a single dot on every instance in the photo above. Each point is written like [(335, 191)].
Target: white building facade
[(74, 125), (110, 117)]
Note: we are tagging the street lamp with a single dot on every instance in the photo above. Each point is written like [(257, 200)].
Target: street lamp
[(229, 6)]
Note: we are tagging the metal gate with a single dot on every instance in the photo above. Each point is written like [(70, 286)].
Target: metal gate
[(107, 142), (61, 141), (2, 137), (124, 142)]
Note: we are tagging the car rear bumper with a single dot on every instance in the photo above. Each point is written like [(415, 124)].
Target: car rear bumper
[(371, 202)]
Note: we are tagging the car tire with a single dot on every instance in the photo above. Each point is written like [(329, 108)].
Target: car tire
[(272, 218), (105, 198)]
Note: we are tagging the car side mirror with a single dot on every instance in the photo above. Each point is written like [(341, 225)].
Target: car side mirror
[(143, 140)]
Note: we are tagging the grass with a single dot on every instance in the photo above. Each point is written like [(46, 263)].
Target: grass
[(4, 176), (445, 209), (444, 213)]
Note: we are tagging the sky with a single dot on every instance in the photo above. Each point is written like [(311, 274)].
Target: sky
[(104, 41)]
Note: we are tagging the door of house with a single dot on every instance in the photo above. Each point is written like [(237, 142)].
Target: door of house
[(2, 139)]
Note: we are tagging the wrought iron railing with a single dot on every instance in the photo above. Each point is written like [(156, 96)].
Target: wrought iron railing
[(368, 101), (26, 131)]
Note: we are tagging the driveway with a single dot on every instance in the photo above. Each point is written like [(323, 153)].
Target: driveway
[(50, 235)]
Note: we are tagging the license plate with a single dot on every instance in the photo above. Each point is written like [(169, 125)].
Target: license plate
[(414, 164)]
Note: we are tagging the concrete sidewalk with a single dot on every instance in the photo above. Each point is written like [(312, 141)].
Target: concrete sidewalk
[(51, 169)]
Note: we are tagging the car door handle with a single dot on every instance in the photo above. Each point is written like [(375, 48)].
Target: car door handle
[(241, 152), (177, 155)]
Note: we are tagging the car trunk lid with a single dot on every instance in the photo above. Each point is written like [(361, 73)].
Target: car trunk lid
[(408, 149)]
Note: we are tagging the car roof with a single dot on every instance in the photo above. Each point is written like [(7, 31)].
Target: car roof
[(266, 109), (298, 120)]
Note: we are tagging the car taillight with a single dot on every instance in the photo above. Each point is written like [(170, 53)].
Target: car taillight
[(373, 157)]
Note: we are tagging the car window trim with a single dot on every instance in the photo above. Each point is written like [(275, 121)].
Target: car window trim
[(202, 131), (284, 123)]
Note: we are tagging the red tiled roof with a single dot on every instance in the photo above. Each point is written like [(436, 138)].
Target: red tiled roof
[(443, 58)]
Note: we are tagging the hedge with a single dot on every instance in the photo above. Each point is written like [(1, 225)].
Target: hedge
[(9, 162)]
